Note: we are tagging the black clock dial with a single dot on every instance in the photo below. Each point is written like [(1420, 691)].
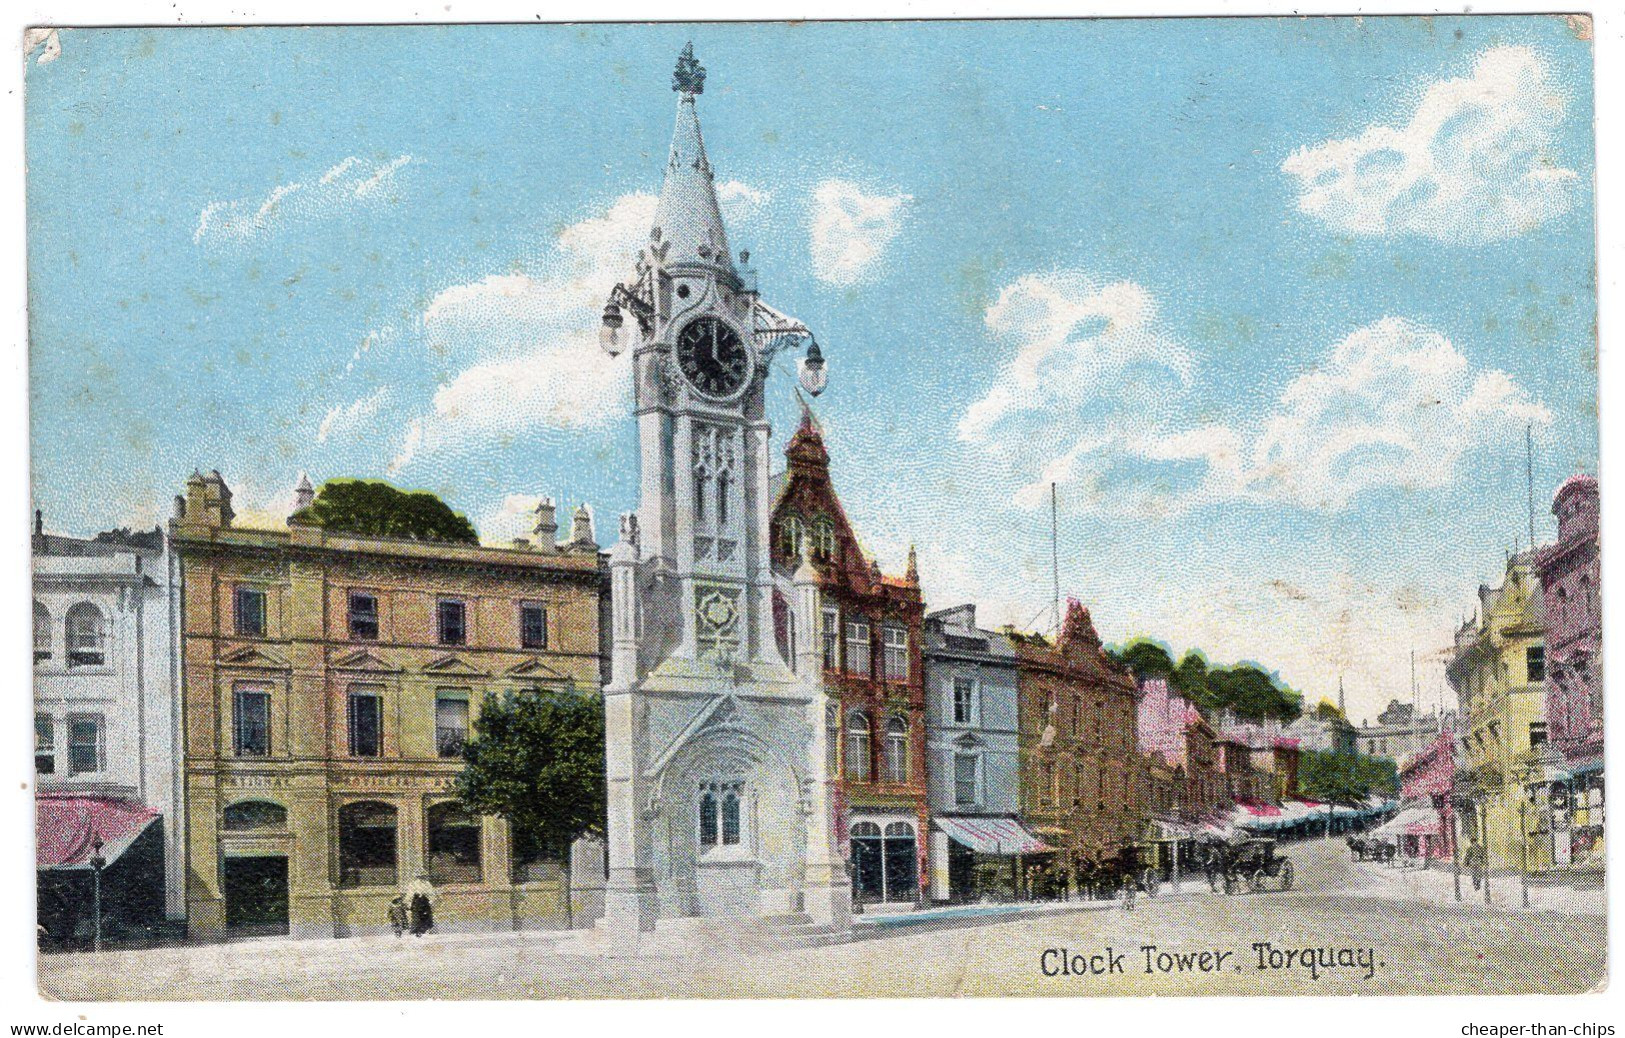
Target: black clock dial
[(712, 358)]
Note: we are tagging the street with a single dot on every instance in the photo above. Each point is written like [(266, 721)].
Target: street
[(1346, 929)]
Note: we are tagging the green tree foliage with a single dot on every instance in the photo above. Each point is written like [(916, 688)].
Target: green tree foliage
[(373, 508), (1190, 677), (537, 759), (1145, 658), (1326, 710), (1253, 694), (1343, 778)]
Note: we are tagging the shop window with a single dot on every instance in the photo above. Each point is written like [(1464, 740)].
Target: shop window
[(249, 610), (86, 636), (454, 845), (367, 845), (363, 616), (532, 625)]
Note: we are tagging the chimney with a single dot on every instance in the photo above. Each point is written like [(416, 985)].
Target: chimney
[(39, 522), (304, 495), (581, 534), (546, 529)]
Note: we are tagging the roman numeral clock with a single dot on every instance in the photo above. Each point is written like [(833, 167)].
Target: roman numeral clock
[(718, 801)]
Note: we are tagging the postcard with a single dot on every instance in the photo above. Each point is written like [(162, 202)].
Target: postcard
[(987, 508)]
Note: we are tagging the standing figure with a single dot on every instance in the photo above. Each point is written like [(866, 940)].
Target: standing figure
[(420, 904), (397, 915)]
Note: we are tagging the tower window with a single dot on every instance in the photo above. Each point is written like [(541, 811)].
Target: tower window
[(722, 499)]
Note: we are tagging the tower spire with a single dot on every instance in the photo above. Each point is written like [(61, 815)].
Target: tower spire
[(688, 227)]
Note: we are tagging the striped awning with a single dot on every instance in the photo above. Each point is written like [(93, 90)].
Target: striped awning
[(988, 834), (66, 829)]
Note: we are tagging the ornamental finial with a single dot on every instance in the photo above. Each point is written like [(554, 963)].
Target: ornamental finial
[(689, 77)]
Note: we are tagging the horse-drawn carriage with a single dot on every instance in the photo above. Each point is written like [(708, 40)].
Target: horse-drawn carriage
[(1373, 848), (1249, 862)]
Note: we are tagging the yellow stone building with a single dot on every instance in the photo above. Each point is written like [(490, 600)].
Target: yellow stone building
[(328, 683), (1498, 671)]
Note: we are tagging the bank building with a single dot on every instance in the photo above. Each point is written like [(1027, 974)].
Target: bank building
[(719, 800)]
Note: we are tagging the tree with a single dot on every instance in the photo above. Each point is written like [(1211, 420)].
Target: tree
[(1326, 710), (536, 758), (1345, 778), (373, 508), (1190, 677), (1145, 657)]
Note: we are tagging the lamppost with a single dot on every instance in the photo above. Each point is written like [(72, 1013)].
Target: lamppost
[(97, 864)]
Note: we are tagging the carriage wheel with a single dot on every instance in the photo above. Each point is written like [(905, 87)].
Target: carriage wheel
[(1286, 875), (1255, 881)]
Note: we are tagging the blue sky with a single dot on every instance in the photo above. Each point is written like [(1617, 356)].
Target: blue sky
[(1271, 301)]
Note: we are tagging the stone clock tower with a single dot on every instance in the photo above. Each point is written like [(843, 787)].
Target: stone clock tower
[(718, 790)]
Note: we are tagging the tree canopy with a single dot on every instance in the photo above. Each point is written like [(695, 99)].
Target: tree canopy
[(1145, 657), (537, 759), (1343, 778), (1245, 689), (373, 508)]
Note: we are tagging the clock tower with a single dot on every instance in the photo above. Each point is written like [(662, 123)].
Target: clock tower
[(718, 786)]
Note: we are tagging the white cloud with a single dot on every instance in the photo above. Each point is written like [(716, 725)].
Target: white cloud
[(350, 184), (1475, 163), (524, 342), (343, 418), (1096, 398), (1395, 405), (851, 230), (514, 517)]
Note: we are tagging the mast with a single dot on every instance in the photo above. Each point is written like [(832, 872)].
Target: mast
[(1529, 477), (1055, 561)]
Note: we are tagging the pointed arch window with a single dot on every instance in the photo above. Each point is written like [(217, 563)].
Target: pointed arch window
[(721, 821), (791, 532), (824, 537), (857, 746), (702, 488), (832, 741), (723, 483)]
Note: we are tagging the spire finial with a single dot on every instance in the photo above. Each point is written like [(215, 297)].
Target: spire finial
[(689, 77)]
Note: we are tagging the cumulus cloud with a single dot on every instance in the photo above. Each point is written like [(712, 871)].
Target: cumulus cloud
[(1095, 396), (524, 342), (352, 183), (851, 230), (1475, 162)]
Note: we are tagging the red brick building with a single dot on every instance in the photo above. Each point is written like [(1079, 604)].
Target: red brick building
[(871, 632), (1082, 776)]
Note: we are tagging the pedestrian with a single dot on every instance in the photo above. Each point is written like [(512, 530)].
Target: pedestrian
[(1129, 862), (420, 904), (1475, 863), (397, 915)]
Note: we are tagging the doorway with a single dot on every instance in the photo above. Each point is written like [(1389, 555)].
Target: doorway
[(256, 891)]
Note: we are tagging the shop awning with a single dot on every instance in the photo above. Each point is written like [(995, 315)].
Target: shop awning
[(991, 835), (67, 827), (1412, 821)]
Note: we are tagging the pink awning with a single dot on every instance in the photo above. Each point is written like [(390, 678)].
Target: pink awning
[(66, 828), (989, 835)]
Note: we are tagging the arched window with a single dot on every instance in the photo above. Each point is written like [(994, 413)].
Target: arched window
[(730, 816), (832, 740), (454, 844), (897, 750), (262, 814), (857, 746), (42, 632), (367, 844), (720, 814), (701, 490), (708, 818), (87, 636), (722, 498)]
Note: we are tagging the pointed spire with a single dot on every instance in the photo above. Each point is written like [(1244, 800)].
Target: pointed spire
[(912, 574), (304, 495), (688, 221)]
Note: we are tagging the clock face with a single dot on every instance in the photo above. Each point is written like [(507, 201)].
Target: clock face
[(712, 357)]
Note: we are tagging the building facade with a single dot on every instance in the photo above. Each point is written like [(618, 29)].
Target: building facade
[(870, 634), (1570, 582), (1081, 772), (105, 732), (1398, 732), (1498, 671), (329, 682), (716, 770), (973, 772)]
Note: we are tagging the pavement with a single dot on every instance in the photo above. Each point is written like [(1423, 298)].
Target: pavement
[(1347, 928)]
